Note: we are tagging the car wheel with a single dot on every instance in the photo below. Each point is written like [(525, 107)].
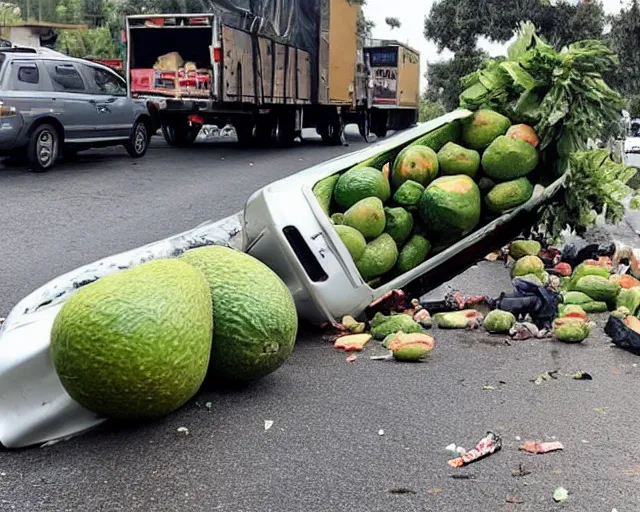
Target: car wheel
[(43, 148), (139, 143)]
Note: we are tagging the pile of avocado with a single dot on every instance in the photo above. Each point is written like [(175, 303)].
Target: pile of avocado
[(397, 209)]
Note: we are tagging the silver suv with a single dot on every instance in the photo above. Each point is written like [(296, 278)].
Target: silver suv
[(51, 104)]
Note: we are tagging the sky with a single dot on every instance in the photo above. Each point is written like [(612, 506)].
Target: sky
[(411, 14)]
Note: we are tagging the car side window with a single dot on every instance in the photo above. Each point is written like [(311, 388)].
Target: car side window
[(107, 83), (65, 77), (28, 74), (24, 76)]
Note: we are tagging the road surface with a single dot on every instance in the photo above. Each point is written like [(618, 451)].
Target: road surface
[(361, 436)]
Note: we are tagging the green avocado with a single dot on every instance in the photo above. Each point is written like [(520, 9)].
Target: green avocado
[(353, 240), (508, 195), (323, 190), (135, 344), (451, 205), (483, 128), (455, 159), (508, 159), (379, 257), (413, 254), (367, 216), (399, 224), (254, 314), (408, 194), (360, 183)]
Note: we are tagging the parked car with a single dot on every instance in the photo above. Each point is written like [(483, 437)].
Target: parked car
[(52, 105)]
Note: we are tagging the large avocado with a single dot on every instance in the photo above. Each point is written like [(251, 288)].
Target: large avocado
[(135, 344), (367, 216), (508, 159), (379, 257), (451, 205), (254, 313), (358, 184), (481, 130)]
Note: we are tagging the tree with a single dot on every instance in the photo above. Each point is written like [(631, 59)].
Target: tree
[(392, 22), (624, 39), (456, 25), (429, 109), (444, 78)]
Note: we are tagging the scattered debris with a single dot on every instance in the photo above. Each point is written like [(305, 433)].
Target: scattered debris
[(387, 357), (538, 302), (183, 430), (454, 301), (560, 495), (267, 424), (208, 405), (381, 432), (352, 325), (488, 388), (423, 317), (394, 301), (545, 377), (402, 490), (536, 447), (580, 375), (520, 472), (2, 320), (527, 330), (466, 319), (434, 490), (352, 358), (514, 499), (464, 476), (488, 445), (601, 410), (352, 342)]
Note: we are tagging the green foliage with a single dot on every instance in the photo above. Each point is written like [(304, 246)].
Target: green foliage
[(429, 109), (96, 43), (625, 41), (444, 78), (457, 24), (562, 93), (594, 185), (392, 22)]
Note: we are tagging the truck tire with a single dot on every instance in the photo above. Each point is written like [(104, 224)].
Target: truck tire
[(265, 130), (364, 125), (286, 129), (178, 133), (379, 124), (244, 132)]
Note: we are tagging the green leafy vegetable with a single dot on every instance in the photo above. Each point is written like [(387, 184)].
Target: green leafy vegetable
[(594, 185), (562, 93)]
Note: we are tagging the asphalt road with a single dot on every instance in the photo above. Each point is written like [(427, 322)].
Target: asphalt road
[(361, 436)]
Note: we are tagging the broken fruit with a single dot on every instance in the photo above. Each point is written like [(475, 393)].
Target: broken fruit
[(468, 318), (627, 281), (573, 311), (411, 347), (352, 325), (571, 330), (632, 323), (352, 343)]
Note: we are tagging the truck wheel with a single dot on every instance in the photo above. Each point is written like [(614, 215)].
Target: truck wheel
[(379, 123), (287, 129), (265, 130), (333, 133), (364, 125), (179, 134), (244, 132), (43, 148)]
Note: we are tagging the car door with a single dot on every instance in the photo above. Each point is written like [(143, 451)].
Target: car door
[(78, 113), (27, 89), (115, 109)]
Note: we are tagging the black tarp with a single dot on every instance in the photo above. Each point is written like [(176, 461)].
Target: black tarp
[(292, 22)]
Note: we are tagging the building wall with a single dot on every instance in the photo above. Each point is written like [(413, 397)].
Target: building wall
[(22, 36)]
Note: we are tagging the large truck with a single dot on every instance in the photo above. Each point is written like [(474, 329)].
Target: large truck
[(269, 73)]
